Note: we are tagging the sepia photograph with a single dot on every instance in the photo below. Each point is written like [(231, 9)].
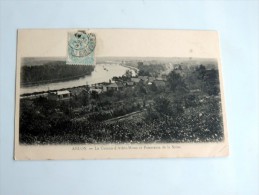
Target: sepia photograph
[(133, 97), (118, 102)]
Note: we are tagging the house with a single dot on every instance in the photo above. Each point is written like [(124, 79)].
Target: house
[(143, 78), (105, 88), (179, 70), (100, 86), (160, 79), (135, 80), (164, 77), (151, 79), (159, 83), (76, 91), (83, 93), (115, 86), (59, 95), (129, 84), (96, 90)]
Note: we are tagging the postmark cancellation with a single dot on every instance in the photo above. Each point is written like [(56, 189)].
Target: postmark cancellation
[(81, 48)]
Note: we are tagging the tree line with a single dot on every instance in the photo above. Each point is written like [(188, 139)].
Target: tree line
[(53, 71)]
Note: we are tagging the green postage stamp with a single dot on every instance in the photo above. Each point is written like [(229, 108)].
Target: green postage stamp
[(81, 48)]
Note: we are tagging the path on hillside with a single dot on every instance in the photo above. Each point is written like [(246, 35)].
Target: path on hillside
[(129, 116)]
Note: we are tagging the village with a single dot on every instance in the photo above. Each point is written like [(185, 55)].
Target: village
[(146, 107), (118, 84)]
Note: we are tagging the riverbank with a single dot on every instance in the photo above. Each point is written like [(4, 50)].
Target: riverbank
[(101, 73), (42, 93), (52, 81), (131, 67)]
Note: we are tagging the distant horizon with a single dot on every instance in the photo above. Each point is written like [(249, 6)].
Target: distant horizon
[(40, 60)]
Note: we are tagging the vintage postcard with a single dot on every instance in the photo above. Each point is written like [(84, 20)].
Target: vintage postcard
[(119, 93)]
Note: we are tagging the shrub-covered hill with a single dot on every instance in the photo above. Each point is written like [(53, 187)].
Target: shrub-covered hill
[(53, 72)]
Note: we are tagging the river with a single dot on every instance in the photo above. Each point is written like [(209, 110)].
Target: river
[(101, 73)]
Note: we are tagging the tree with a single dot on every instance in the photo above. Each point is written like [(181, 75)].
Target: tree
[(109, 93), (128, 74), (201, 70), (175, 81), (141, 90), (128, 92), (140, 64), (87, 88), (162, 105), (209, 79), (153, 87), (84, 98), (115, 78), (45, 106), (95, 95), (143, 73)]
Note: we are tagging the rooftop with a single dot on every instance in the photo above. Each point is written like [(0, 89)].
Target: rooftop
[(63, 92)]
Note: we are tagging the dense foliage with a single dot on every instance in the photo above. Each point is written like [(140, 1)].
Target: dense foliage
[(53, 72), (143, 113), (151, 69)]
